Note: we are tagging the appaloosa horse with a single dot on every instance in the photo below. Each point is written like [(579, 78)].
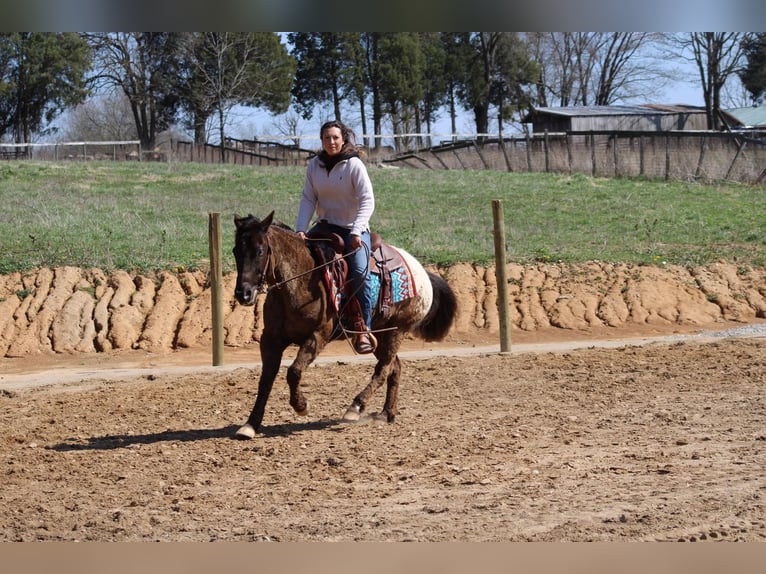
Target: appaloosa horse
[(298, 310)]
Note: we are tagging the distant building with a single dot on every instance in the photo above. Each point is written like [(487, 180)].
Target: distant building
[(749, 118), (644, 118)]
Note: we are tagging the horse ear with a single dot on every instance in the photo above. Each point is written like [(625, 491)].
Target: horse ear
[(238, 220), (267, 220)]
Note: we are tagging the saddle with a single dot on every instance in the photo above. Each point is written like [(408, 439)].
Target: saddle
[(390, 276)]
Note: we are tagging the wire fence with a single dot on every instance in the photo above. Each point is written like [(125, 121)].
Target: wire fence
[(97, 150), (675, 155)]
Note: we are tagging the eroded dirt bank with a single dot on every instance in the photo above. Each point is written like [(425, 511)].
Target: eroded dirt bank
[(69, 310)]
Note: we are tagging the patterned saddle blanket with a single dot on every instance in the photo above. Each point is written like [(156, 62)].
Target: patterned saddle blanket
[(391, 279)]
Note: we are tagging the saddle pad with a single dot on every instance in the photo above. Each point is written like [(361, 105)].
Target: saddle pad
[(393, 268), (402, 281)]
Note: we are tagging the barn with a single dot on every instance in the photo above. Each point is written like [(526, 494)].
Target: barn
[(647, 117), (749, 118)]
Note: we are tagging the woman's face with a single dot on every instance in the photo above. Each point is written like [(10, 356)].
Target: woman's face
[(332, 140)]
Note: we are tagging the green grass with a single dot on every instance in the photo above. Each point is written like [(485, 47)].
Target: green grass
[(152, 216)]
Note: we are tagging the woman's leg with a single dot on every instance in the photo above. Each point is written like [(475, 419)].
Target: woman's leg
[(359, 272)]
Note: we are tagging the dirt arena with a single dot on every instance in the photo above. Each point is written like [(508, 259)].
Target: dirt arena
[(652, 429)]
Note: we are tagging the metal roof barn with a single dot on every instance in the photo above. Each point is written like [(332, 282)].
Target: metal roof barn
[(649, 118)]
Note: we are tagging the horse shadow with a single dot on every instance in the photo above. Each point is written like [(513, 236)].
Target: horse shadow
[(113, 442)]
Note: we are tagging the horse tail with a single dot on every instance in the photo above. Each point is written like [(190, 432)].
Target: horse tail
[(438, 321)]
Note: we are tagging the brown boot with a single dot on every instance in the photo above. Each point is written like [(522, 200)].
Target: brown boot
[(365, 343)]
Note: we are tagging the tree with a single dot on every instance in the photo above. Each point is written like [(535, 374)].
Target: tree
[(103, 118), (458, 54), (146, 67), (717, 56), (515, 73), (753, 75), (621, 71), (41, 74), (594, 68), (435, 80), (499, 69), (401, 66), (326, 70), (224, 69), (371, 53)]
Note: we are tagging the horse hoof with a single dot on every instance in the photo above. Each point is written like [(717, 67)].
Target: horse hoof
[(303, 413), (379, 417), (245, 432), (352, 414)]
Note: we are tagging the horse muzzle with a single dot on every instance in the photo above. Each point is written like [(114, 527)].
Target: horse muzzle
[(245, 294)]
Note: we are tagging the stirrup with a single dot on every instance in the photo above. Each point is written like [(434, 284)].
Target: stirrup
[(365, 343)]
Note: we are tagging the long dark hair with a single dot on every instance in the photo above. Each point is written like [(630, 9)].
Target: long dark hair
[(350, 147)]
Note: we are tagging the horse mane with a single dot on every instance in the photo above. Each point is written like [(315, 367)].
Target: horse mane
[(250, 219)]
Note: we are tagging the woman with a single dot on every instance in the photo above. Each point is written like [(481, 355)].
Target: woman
[(338, 189)]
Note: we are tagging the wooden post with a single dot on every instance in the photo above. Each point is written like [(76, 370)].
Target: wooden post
[(216, 283), (501, 274)]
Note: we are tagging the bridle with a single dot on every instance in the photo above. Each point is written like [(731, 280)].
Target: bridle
[(268, 265)]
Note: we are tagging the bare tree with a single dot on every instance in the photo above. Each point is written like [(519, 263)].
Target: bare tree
[(595, 68), (225, 69), (717, 56), (144, 66), (101, 118)]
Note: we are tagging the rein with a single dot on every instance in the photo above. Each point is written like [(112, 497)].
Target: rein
[(279, 284)]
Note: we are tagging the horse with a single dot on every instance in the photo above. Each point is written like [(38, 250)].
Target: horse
[(299, 310)]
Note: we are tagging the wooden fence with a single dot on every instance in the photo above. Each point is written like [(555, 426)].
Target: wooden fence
[(243, 152), (705, 156), (676, 155)]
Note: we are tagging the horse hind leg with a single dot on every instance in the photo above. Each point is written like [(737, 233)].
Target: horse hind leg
[(387, 369), (388, 414)]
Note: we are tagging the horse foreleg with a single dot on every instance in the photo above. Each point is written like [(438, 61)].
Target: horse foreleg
[(306, 354), (271, 359)]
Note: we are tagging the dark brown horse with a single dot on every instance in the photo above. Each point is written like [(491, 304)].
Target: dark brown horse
[(298, 311)]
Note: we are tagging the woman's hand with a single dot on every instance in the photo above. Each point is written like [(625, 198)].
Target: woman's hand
[(355, 241)]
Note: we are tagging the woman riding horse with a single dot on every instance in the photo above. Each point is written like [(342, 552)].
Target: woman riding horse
[(298, 311)]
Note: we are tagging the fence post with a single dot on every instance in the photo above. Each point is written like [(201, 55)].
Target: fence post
[(667, 157), (501, 274), (216, 284), (593, 155)]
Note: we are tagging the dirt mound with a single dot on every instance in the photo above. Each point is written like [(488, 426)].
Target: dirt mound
[(69, 310)]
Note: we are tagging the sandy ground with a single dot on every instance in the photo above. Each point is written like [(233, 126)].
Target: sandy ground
[(637, 438)]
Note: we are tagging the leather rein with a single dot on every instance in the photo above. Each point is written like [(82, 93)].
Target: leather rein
[(270, 265)]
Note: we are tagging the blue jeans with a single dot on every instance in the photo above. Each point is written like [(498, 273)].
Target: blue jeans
[(359, 270)]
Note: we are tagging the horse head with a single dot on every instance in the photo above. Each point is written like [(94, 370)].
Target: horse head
[(251, 253)]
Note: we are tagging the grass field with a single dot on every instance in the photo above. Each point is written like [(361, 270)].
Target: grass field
[(151, 216)]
